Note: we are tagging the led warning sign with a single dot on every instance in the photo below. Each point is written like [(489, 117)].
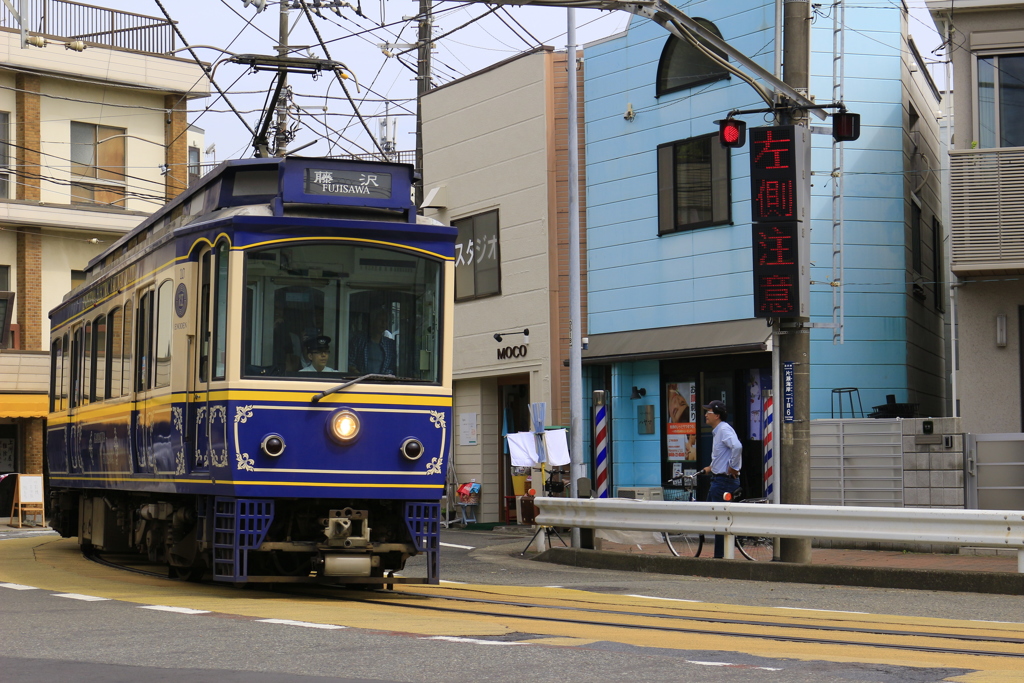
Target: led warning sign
[(777, 286), (776, 173)]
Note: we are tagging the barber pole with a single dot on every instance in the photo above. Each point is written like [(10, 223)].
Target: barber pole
[(600, 444), (768, 434)]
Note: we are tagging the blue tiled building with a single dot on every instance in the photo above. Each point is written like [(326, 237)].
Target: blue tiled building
[(670, 300)]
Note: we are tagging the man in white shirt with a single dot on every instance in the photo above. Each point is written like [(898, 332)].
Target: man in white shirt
[(726, 460)]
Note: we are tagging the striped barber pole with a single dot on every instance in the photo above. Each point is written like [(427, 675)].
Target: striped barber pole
[(768, 426), (601, 441)]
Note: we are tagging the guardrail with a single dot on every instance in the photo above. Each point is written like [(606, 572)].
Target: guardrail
[(986, 528)]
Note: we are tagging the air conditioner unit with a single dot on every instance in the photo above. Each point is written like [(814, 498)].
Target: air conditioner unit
[(641, 492)]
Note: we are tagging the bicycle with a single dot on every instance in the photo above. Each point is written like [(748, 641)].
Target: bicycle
[(754, 548)]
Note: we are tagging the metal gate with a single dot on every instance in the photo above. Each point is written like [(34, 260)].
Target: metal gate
[(994, 471), (857, 462)]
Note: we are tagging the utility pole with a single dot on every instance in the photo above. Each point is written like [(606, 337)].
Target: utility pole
[(281, 135), (794, 335), (577, 469), (423, 72)]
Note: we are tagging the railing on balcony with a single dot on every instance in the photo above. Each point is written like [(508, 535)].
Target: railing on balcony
[(69, 20), (987, 210)]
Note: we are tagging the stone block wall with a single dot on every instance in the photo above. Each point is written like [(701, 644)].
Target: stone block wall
[(933, 464)]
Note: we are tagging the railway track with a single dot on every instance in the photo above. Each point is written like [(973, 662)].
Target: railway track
[(806, 627)]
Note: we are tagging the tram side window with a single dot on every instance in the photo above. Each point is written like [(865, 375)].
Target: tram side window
[(65, 384), (126, 364), (113, 385), (143, 381), (99, 364), (56, 373), (75, 397), (204, 317), (87, 387), (164, 321), (220, 311)]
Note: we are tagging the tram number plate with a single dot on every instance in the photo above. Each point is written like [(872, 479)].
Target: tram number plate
[(337, 183)]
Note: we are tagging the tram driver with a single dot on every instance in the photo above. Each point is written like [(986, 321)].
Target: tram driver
[(318, 351)]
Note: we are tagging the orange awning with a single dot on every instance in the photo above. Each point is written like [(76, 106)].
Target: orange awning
[(24, 405)]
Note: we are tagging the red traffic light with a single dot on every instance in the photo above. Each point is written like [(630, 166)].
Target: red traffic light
[(732, 133), (845, 126)]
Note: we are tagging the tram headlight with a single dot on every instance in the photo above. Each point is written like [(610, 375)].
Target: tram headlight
[(343, 426)]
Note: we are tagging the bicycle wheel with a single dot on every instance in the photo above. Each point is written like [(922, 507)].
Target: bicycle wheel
[(756, 549), (684, 545)]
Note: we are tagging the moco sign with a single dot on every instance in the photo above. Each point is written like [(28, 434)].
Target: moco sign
[(512, 352)]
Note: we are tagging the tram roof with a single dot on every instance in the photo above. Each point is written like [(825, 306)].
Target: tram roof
[(298, 180)]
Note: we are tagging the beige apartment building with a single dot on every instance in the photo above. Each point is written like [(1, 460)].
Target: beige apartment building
[(496, 167), (93, 138)]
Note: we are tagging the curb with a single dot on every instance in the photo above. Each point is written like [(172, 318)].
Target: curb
[(1003, 583)]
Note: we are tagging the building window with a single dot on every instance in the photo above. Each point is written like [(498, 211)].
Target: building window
[(5, 278), (77, 278), (684, 66), (97, 152), (193, 162), (477, 257), (693, 184), (1001, 101), (915, 237), (5, 155), (938, 266)]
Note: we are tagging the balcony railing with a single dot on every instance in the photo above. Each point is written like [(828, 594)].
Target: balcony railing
[(987, 208), (69, 20)]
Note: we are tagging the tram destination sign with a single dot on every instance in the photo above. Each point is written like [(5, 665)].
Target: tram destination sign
[(335, 183)]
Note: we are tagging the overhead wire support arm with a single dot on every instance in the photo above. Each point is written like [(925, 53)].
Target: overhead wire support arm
[(673, 19)]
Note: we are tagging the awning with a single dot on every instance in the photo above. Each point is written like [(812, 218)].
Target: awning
[(24, 405), (706, 339)]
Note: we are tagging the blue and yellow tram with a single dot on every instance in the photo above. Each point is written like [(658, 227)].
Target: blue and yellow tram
[(255, 383)]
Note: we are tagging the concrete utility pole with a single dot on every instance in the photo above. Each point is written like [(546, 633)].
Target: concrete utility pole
[(281, 135), (577, 468), (423, 69), (795, 337)]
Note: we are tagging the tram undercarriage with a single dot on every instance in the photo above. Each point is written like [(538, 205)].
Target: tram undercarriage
[(255, 540)]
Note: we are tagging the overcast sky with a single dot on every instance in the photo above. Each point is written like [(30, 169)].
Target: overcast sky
[(386, 85)]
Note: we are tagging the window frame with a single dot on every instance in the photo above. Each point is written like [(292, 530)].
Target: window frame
[(497, 257), (5, 155), (667, 52), (977, 58), (667, 193), (93, 177)]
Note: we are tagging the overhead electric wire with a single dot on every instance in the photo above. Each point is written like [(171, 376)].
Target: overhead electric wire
[(341, 81), (192, 52)]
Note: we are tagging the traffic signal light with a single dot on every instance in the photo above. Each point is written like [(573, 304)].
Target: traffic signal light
[(845, 126), (732, 133)]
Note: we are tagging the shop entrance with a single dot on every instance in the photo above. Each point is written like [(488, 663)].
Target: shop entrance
[(689, 384), (514, 416)]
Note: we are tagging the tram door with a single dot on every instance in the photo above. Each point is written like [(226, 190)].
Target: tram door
[(207, 418)]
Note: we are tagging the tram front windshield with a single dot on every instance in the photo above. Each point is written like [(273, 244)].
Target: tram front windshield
[(330, 311)]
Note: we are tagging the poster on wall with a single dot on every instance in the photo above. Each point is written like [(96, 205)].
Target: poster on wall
[(467, 429), (681, 430), (7, 455)]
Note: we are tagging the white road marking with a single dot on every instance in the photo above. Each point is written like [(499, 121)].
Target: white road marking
[(179, 610), (455, 545), (834, 611), (79, 596), (740, 666), (980, 621), (18, 587), (289, 622), (655, 597), (475, 641), (457, 583)]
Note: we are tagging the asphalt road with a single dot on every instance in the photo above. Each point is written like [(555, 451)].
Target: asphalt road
[(47, 635)]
